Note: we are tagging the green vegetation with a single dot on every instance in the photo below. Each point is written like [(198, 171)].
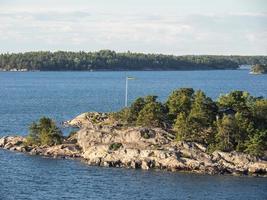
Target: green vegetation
[(44, 132), (236, 121), (115, 146), (110, 60), (259, 69)]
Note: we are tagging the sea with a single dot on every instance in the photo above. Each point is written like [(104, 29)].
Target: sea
[(27, 96)]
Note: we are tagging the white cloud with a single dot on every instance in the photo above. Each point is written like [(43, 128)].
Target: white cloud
[(88, 28), (250, 14)]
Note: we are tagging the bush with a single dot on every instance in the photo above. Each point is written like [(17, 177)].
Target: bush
[(115, 146), (44, 132)]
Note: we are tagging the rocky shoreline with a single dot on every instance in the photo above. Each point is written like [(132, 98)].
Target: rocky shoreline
[(99, 143)]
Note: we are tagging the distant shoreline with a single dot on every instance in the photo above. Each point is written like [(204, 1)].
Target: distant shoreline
[(122, 70), (108, 60)]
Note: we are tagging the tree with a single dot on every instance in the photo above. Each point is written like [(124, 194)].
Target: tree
[(135, 108), (180, 101), (259, 110), (239, 101), (257, 143), (199, 120), (204, 110), (110, 60), (244, 128), (152, 115), (45, 132), (150, 99), (182, 127), (226, 128), (202, 114), (33, 136)]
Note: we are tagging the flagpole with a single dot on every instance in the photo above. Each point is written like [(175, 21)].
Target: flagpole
[(126, 91)]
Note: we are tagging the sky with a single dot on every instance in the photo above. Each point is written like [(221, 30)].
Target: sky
[(179, 27)]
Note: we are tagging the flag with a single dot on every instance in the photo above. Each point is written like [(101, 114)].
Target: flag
[(130, 78)]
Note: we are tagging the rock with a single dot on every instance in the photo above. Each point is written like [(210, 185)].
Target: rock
[(63, 150), (91, 119), (140, 147), (145, 165), (35, 151), (11, 142), (258, 168), (2, 142), (135, 164)]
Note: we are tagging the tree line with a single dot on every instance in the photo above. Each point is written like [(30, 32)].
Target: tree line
[(110, 60), (236, 121)]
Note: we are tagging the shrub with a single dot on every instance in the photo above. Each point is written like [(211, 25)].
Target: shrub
[(115, 146), (44, 132)]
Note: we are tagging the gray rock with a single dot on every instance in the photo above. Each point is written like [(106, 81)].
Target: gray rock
[(145, 148)]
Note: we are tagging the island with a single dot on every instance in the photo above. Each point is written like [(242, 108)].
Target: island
[(259, 69), (108, 60), (189, 132)]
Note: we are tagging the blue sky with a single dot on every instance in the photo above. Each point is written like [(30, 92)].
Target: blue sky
[(152, 26)]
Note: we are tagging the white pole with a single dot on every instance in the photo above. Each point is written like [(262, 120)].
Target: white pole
[(126, 92)]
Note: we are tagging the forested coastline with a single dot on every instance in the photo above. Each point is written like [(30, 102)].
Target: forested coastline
[(112, 61), (235, 122)]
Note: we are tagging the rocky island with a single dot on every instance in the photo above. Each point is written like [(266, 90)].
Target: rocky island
[(259, 69), (141, 137)]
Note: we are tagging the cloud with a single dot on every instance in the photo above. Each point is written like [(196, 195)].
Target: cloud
[(250, 14), (76, 28)]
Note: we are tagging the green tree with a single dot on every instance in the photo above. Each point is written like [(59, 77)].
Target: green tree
[(152, 115), (226, 129), (244, 128), (45, 132), (257, 143), (202, 115), (198, 119), (135, 108), (260, 113), (204, 110), (239, 101), (150, 99), (180, 101), (33, 136), (110, 60), (182, 127)]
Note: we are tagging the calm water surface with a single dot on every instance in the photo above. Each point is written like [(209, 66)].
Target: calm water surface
[(25, 97)]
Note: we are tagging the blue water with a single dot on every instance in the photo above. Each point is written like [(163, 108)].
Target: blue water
[(25, 97)]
